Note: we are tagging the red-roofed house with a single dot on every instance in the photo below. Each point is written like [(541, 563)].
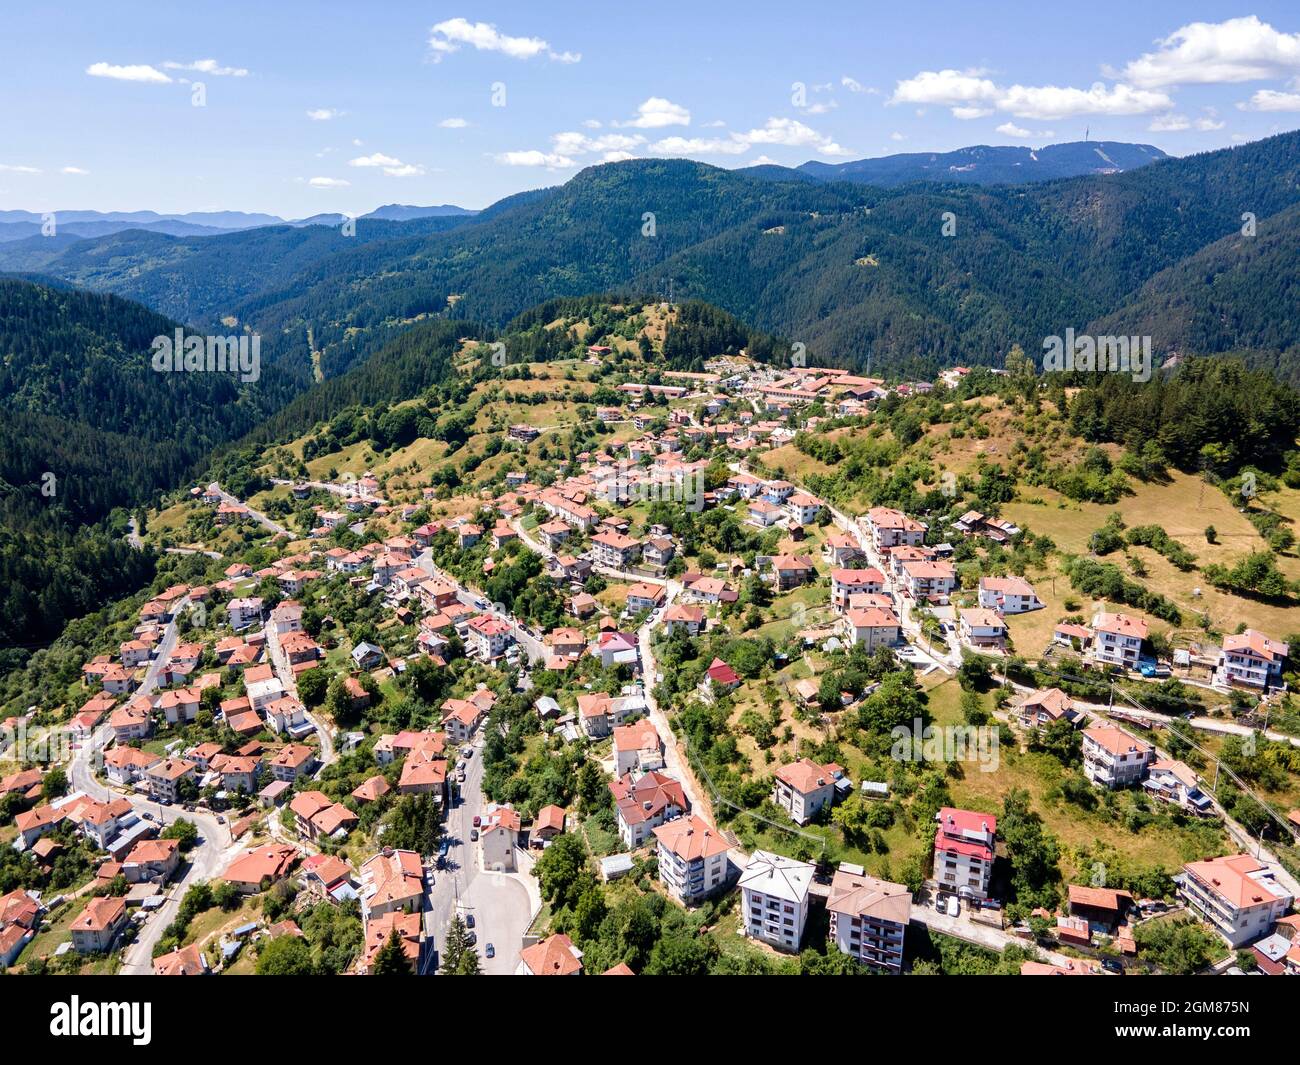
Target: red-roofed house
[(963, 851)]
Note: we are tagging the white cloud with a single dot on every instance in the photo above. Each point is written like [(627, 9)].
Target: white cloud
[(1206, 53), (656, 112), (449, 36), (210, 67), (550, 160), (591, 123), (141, 72), (323, 114), (896, 136), (1049, 101), (819, 108), (75, 171), (792, 134), (950, 88), (853, 85), (1170, 124), (1272, 100), (18, 169), (390, 166), (453, 123), (328, 183), (717, 123), (1010, 129), (699, 146), (968, 93), (616, 157)]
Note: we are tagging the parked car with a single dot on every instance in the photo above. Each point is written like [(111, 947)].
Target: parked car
[(469, 920), (954, 907), (491, 951), (471, 938), (477, 821), (473, 835), (1112, 965)]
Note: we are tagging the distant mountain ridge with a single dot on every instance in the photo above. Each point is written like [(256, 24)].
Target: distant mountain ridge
[(984, 164), (19, 225)]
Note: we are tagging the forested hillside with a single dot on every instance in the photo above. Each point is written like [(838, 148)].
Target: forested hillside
[(862, 275)]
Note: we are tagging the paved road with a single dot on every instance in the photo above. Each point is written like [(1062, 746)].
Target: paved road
[(208, 856), (345, 491), (284, 672), (501, 905), (256, 515)]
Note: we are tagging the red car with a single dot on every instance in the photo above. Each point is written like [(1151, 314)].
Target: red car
[(477, 821)]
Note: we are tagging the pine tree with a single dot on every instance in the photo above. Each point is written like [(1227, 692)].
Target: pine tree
[(391, 960), (456, 946)]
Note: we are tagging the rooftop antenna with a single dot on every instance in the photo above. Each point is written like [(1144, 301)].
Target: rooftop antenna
[(1086, 130)]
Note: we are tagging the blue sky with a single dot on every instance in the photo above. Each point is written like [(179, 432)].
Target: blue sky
[(343, 106)]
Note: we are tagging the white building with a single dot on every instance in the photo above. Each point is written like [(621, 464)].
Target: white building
[(774, 899), (1118, 639), (1009, 595), (1239, 897), (1252, 659), (1114, 759), (692, 858), (963, 851)]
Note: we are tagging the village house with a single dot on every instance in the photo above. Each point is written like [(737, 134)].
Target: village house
[(554, 956), (847, 582), (680, 615), (245, 612), (151, 861), (891, 528), (718, 679), (872, 627), (637, 747), (489, 637), (1117, 639), (165, 777), (615, 550), (318, 817), (643, 803), (774, 899), (391, 882), (95, 929), (258, 869), (1114, 759), (929, 581), (1252, 660), (1008, 595), (498, 837), (803, 789), (868, 917), (292, 761), (1175, 782), (1041, 708), (790, 571), (644, 596), (984, 628)]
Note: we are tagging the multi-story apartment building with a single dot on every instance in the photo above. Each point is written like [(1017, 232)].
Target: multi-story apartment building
[(928, 580), (869, 917), (1237, 895), (615, 550), (847, 582), (692, 858), (774, 899), (963, 851)]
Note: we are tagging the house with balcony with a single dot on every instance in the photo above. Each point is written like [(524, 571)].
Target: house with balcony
[(1251, 660), (850, 582), (1175, 783), (1114, 759), (1008, 595), (643, 803), (982, 628), (803, 789), (891, 528), (1117, 639)]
